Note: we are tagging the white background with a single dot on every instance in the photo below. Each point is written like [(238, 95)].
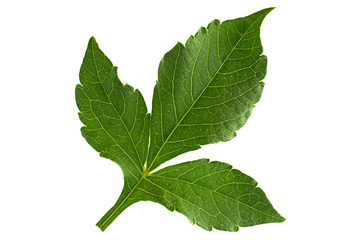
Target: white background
[(301, 143)]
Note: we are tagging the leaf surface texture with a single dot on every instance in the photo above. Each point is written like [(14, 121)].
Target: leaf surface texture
[(210, 194), (206, 90)]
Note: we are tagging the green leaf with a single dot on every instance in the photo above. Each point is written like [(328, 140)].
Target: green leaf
[(210, 195), (206, 91)]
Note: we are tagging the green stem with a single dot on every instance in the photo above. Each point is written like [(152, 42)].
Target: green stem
[(121, 204)]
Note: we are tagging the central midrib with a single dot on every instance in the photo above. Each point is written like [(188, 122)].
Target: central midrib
[(211, 190), (198, 97)]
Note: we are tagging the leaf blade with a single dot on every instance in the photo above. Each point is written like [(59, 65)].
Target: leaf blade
[(205, 101), (115, 115), (210, 194)]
